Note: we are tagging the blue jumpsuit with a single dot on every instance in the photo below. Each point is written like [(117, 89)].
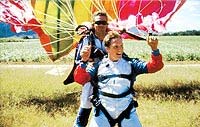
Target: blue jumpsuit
[(87, 89), (114, 78), (116, 85), (97, 53)]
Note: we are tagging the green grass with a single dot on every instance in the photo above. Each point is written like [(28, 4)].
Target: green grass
[(27, 51), (4, 40), (172, 83), (31, 98), (173, 48), (168, 113)]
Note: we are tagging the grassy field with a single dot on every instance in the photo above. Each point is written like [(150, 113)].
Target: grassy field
[(31, 98), (173, 48)]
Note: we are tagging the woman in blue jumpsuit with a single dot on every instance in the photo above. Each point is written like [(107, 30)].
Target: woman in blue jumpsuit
[(114, 76), (94, 39)]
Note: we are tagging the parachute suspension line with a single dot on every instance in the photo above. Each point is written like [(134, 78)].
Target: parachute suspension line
[(88, 9), (15, 18), (141, 9), (101, 6), (177, 6), (54, 28), (113, 3), (95, 3), (49, 21), (69, 13), (45, 10), (69, 16), (58, 24), (58, 40), (53, 42), (61, 51), (122, 6), (63, 32), (63, 27), (104, 9), (58, 27), (58, 6), (161, 7), (73, 20), (53, 18)]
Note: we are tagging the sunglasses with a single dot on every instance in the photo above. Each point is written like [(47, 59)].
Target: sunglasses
[(101, 22)]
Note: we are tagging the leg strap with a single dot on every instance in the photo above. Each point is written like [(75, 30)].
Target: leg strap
[(124, 114), (83, 116)]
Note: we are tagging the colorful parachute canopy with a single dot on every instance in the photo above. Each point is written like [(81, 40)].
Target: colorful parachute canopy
[(19, 14), (55, 20)]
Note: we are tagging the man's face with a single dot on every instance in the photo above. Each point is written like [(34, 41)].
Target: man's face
[(115, 50), (100, 24)]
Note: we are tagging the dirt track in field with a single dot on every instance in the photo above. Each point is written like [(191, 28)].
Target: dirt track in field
[(69, 66)]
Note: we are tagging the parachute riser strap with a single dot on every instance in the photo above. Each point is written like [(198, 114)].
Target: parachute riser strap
[(90, 38), (102, 77), (95, 98), (112, 122), (95, 52), (97, 104), (132, 82), (70, 77), (116, 96), (126, 113)]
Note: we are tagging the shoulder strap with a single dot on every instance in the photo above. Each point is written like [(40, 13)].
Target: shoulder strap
[(132, 75), (91, 39), (70, 77), (102, 77)]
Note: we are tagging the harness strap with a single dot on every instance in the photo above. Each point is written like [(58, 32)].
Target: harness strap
[(105, 112), (114, 95), (124, 114), (97, 103), (103, 77)]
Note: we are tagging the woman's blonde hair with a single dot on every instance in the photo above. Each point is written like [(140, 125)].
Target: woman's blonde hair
[(111, 35), (99, 13)]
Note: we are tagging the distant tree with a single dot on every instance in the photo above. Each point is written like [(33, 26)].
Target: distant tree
[(184, 33)]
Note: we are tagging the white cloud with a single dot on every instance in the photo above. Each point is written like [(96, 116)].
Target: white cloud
[(192, 6), (186, 18)]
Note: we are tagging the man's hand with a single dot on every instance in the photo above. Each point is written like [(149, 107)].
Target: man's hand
[(85, 53), (152, 42)]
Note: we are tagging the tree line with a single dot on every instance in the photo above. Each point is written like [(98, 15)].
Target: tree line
[(184, 33)]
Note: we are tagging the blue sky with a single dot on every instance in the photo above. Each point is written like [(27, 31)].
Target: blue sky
[(186, 18)]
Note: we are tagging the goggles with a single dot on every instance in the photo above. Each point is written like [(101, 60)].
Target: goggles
[(101, 22)]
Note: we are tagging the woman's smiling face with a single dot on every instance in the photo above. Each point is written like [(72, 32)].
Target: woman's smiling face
[(115, 50)]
